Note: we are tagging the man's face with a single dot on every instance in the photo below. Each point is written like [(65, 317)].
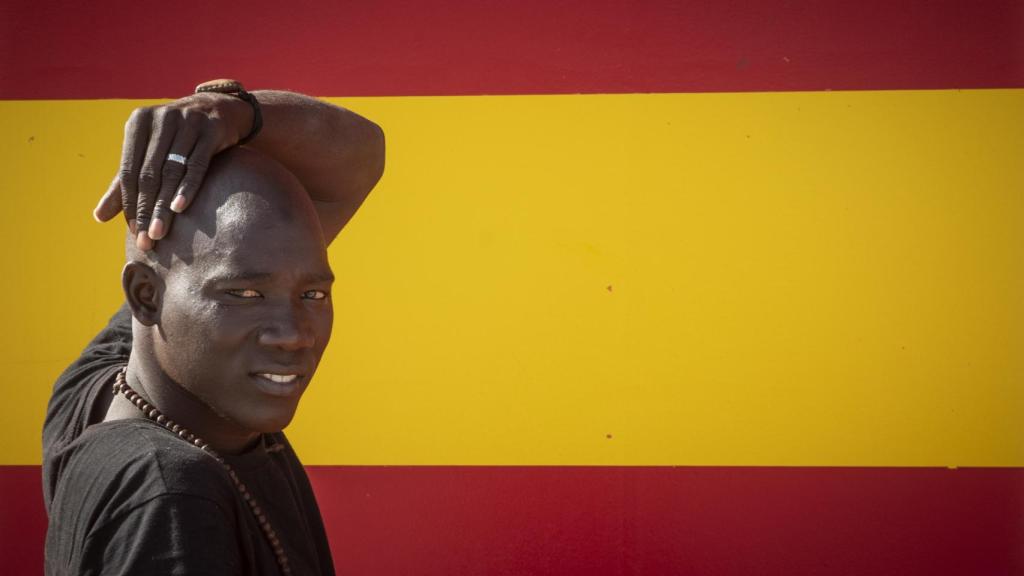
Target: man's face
[(244, 325)]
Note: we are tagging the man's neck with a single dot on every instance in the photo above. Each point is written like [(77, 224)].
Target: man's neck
[(179, 405)]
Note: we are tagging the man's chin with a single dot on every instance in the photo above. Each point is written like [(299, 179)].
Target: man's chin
[(271, 423)]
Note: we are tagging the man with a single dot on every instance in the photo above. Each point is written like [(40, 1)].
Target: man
[(184, 468)]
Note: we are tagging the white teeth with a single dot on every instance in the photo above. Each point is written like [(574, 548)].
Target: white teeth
[(280, 377)]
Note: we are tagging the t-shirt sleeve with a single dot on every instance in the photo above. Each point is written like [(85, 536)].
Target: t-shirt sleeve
[(173, 534), (76, 388)]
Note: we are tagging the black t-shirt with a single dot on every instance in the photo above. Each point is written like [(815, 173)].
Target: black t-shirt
[(130, 497)]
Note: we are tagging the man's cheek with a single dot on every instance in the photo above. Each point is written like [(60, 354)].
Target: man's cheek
[(228, 335), (324, 327)]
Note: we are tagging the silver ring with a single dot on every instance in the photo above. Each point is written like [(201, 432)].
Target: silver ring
[(177, 158)]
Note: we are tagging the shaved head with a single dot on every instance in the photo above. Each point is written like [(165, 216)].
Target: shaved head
[(243, 190)]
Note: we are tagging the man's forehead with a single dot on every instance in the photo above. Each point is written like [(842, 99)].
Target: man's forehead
[(237, 252), (264, 256)]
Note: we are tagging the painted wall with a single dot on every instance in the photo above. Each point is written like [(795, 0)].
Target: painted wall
[(647, 288)]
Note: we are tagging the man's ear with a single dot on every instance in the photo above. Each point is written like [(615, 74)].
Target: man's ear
[(144, 291)]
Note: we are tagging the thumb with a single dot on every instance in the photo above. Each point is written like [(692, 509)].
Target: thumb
[(110, 204)]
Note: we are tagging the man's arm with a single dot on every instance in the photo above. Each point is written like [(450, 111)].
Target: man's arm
[(336, 154)]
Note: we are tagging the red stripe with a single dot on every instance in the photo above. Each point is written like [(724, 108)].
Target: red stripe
[(22, 520), (636, 520), (682, 520), (133, 49)]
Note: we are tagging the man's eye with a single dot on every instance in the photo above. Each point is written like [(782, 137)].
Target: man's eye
[(245, 293), (314, 294)]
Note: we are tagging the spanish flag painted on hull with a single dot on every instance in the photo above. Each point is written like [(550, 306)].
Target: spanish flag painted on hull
[(648, 287)]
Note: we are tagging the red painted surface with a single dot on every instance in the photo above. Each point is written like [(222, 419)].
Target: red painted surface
[(134, 49), (598, 521), (22, 520), (673, 520)]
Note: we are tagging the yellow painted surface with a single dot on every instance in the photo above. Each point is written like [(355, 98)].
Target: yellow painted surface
[(691, 279)]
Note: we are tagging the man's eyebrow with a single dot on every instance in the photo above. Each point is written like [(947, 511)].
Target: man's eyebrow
[(326, 277), (240, 276), (260, 276)]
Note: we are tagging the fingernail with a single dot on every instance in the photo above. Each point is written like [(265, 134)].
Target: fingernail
[(144, 242), (178, 204), (156, 229), (95, 215)]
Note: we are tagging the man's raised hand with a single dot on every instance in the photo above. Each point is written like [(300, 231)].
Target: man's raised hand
[(152, 183)]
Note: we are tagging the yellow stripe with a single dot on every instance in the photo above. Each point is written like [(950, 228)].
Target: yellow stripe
[(736, 279)]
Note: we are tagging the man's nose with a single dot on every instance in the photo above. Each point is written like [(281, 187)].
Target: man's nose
[(289, 328)]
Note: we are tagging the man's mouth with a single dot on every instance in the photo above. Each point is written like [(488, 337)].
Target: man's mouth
[(283, 378), (280, 384)]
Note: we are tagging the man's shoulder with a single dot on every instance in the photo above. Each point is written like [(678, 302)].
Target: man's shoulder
[(131, 493), (134, 460), (79, 387)]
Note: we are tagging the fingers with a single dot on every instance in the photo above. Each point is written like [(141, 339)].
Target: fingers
[(150, 175), (136, 139), (198, 163), (174, 169), (110, 204)]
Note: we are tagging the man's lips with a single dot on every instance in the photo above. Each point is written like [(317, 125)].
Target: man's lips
[(281, 378), (280, 382)]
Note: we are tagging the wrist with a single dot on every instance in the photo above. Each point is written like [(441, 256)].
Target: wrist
[(233, 88), (239, 117)]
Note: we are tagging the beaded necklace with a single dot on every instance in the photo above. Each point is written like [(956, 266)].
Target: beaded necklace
[(121, 387)]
